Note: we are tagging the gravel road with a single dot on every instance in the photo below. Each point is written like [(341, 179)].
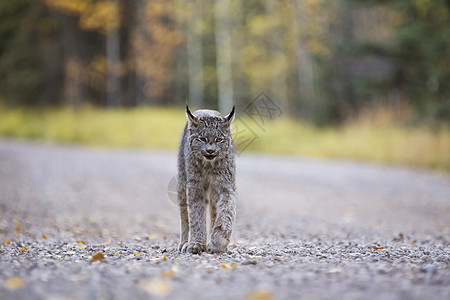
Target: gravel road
[(78, 223)]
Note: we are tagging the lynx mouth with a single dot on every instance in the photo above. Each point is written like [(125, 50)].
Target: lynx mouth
[(209, 157)]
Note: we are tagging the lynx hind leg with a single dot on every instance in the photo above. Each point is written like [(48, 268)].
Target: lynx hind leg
[(184, 230), (223, 225)]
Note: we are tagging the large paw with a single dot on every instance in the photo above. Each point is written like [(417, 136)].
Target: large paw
[(181, 245), (193, 247), (217, 248), (219, 242)]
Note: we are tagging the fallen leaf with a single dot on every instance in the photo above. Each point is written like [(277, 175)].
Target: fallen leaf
[(167, 274), (156, 287), (108, 242), (137, 253), (8, 242), (413, 244), (153, 236), (45, 237), (81, 242), (228, 266), (14, 283), (260, 295), (377, 248), (23, 249), (98, 257), (82, 247), (335, 270), (18, 226)]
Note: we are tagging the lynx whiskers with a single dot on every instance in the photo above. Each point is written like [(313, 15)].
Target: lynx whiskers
[(206, 176)]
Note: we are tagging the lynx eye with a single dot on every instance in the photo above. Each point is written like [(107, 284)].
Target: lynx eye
[(203, 139), (218, 140)]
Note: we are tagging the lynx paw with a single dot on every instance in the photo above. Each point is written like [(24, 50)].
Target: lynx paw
[(181, 245), (193, 247), (219, 242), (216, 248)]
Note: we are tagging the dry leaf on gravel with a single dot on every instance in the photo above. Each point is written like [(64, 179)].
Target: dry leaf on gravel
[(18, 226), (167, 274), (377, 248), (81, 242), (98, 257), (156, 287), (228, 266), (260, 295), (45, 237), (14, 283), (23, 249)]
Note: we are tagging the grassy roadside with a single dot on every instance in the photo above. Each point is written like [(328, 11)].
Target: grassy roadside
[(376, 140)]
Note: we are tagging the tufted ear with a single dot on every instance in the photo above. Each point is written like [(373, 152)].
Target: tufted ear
[(191, 118), (229, 118)]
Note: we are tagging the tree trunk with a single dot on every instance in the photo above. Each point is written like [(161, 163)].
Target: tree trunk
[(223, 55), (195, 54), (74, 87), (113, 65)]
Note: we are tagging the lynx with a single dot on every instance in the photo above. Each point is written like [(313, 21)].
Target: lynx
[(206, 176)]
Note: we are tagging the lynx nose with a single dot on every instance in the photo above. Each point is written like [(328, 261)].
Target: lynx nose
[(210, 150)]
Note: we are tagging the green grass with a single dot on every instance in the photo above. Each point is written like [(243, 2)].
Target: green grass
[(378, 140)]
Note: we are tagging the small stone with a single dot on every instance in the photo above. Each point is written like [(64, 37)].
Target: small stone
[(429, 269)]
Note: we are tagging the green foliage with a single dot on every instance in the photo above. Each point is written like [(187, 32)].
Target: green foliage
[(325, 61), (419, 52)]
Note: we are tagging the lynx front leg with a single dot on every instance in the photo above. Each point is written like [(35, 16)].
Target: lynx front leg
[(184, 220), (184, 226), (223, 225), (196, 207)]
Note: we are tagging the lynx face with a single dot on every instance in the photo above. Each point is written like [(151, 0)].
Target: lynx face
[(209, 136)]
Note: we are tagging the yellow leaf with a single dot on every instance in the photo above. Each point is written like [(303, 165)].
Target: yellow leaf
[(23, 249), (14, 283), (377, 248), (45, 237), (8, 242), (117, 254), (81, 242), (228, 266), (153, 236), (260, 295), (82, 247), (167, 274), (18, 226), (413, 244), (108, 242), (137, 253), (98, 257), (156, 287)]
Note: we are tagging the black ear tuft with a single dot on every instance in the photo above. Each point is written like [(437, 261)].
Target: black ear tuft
[(191, 118), (229, 118)]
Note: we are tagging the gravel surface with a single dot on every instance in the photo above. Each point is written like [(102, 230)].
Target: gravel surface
[(80, 223)]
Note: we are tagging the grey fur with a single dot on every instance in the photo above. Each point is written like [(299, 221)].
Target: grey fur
[(206, 176)]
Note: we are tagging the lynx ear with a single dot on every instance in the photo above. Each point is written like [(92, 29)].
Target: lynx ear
[(191, 118), (229, 118)]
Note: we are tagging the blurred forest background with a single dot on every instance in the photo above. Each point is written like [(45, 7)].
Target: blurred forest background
[(326, 62)]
